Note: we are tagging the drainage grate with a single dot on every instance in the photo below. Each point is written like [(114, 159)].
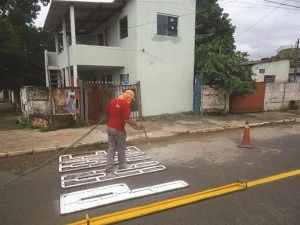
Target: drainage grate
[(88, 155), (95, 176), (99, 162), (86, 199)]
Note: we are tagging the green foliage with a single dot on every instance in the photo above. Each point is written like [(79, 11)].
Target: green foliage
[(48, 129), (23, 123), (21, 45), (216, 60), (183, 133), (96, 144), (80, 125)]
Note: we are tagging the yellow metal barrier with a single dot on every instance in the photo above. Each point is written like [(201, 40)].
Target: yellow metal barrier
[(162, 205), (179, 201)]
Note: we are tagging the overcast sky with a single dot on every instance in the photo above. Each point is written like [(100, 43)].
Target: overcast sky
[(262, 26)]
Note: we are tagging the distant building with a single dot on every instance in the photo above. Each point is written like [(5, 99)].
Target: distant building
[(270, 70)]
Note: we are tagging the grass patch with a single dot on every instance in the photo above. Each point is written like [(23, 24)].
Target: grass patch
[(48, 129), (80, 125), (96, 144), (183, 133), (24, 123)]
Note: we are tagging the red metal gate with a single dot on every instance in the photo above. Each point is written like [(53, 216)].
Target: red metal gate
[(250, 103), (98, 95)]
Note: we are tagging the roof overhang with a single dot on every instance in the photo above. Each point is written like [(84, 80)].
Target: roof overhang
[(262, 61), (88, 14)]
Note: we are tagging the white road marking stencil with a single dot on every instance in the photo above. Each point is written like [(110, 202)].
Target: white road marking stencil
[(97, 154), (86, 199), (99, 162), (96, 176), (101, 171)]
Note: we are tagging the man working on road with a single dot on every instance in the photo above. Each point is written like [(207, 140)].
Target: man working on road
[(118, 111)]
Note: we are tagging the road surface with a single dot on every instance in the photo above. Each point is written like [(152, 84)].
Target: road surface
[(204, 161)]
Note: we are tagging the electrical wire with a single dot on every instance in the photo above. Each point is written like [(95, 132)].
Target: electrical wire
[(260, 5), (163, 2), (265, 16), (283, 4), (3, 184), (263, 8)]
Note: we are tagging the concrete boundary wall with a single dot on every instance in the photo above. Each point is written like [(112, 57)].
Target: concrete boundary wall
[(35, 101), (281, 96), (214, 100)]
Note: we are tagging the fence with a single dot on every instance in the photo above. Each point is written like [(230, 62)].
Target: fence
[(250, 103), (97, 95), (214, 100), (46, 105), (282, 96)]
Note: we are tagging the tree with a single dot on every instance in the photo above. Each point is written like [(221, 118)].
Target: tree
[(216, 60), (21, 45)]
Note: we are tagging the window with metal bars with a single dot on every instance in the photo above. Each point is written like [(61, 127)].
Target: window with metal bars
[(167, 25)]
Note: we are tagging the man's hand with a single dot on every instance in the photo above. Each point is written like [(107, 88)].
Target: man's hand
[(134, 124), (138, 125)]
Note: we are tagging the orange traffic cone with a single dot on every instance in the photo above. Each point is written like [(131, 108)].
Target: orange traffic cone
[(246, 138)]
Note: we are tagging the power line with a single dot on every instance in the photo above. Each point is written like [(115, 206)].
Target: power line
[(249, 7), (265, 16), (227, 2), (283, 4), (258, 4), (162, 2)]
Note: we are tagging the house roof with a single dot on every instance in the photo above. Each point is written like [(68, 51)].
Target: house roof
[(261, 61), (88, 15)]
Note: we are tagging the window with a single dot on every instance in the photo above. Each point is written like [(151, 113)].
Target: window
[(269, 78), (101, 40), (124, 78), (109, 78), (123, 28), (167, 25), (102, 78)]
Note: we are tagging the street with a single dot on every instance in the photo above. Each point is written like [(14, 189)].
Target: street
[(204, 161)]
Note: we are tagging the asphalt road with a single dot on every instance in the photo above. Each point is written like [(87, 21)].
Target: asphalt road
[(204, 161)]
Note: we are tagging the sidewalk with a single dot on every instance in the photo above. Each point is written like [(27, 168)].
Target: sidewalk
[(17, 142)]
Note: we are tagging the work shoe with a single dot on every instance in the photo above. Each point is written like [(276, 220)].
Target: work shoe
[(123, 167), (110, 174)]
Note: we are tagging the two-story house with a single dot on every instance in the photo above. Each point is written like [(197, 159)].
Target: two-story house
[(126, 41)]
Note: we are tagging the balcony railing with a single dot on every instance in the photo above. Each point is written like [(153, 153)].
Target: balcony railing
[(91, 55)]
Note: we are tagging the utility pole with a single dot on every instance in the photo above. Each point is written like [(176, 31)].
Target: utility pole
[(296, 59)]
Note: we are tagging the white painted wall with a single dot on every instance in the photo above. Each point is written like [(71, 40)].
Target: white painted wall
[(214, 100), (166, 67), (278, 68), (128, 45), (279, 95)]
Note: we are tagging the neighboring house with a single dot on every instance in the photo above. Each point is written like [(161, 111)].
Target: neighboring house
[(270, 70), (289, 52), (126, 41)]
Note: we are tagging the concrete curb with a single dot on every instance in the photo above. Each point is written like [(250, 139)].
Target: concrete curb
[(239, 126), (194, 131)]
